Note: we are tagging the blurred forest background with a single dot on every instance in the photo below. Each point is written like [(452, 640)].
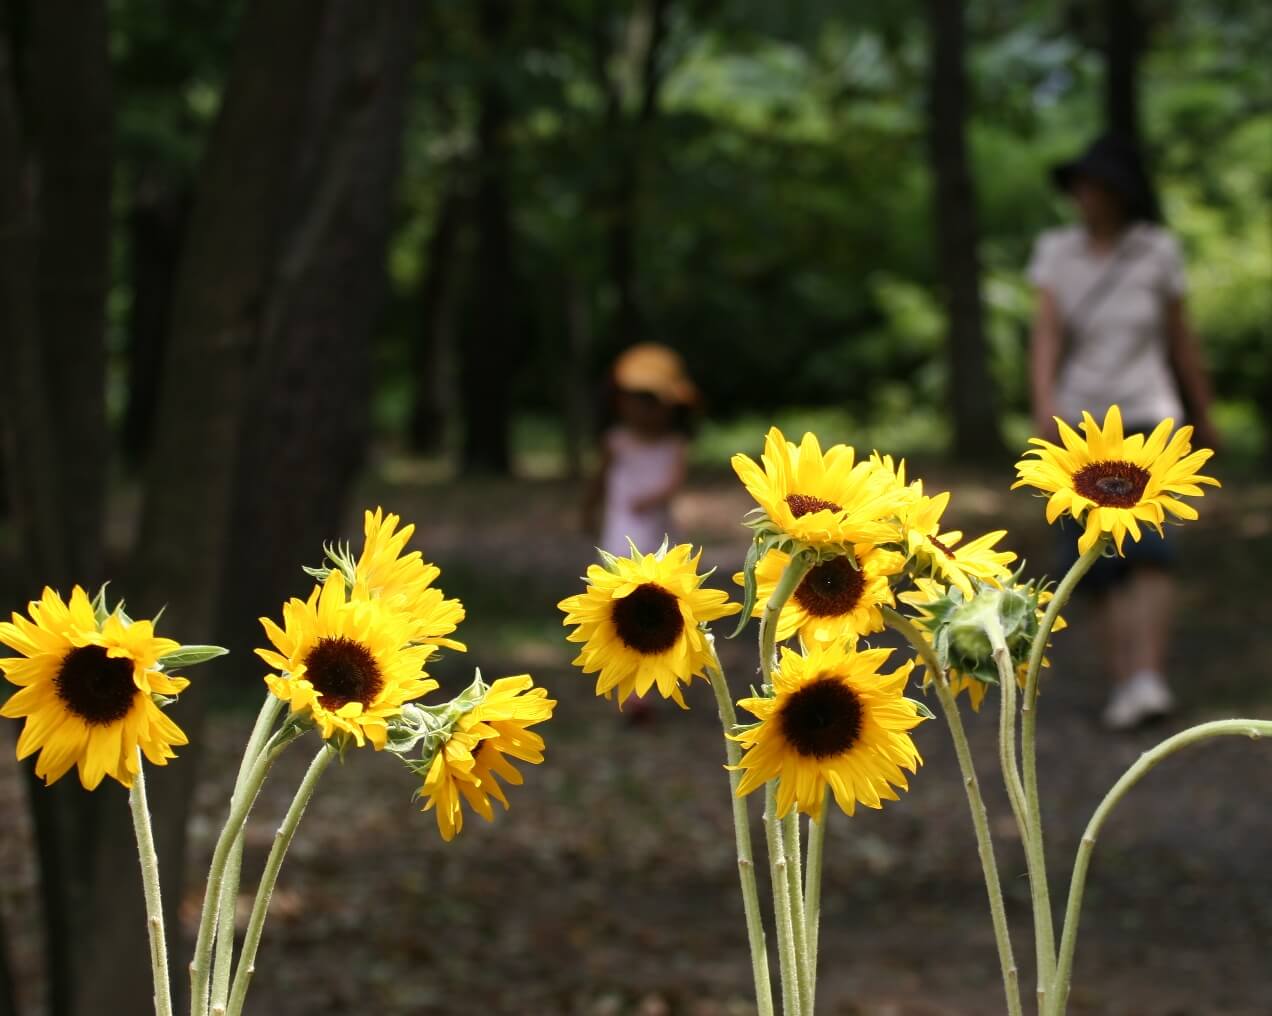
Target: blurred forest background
[(249, 250)]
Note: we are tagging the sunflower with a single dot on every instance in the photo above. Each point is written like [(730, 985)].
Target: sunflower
[(838, 599), (940, 554), (931, 601), (826, 501), (833, 721), (466, 766), (87, 690), (1112, 483), (345, 663), (404, 583), (640, 621)]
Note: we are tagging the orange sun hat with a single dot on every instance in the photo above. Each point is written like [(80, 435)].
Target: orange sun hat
[(657, 369)]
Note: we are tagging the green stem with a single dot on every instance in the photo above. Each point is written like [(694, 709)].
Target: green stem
[(812, 893), (791, 578), (976, 804), (742, 835), (1253, 729), (265, 891), (781, 904), (223, 962), (799, 924), (150, 885), (1035, 860), (239, 808), (1044, 929)]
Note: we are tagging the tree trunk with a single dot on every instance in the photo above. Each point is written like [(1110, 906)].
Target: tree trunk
[(185, 541), (71, 99), (433, 351), (971, 395), (307, 425), (1123, 43), (490, 350), (55, 182)]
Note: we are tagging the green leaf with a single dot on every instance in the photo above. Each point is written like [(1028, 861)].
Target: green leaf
[(748, 585), (922, 709), (189, 656)]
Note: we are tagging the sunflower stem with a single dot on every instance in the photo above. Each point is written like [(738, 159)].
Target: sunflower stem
[(1035, 861), (782, 904), (1044, 927), (976, 805), (223, 962), (742, 835), (239, 809), (812, 893), (265, 891), (150, 885), (791, 578), (1253, 729), (799, 923)]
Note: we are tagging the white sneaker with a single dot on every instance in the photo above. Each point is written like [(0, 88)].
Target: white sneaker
[(1144, 697)]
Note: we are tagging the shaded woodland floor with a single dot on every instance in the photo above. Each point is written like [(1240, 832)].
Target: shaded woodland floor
[(610, 887)]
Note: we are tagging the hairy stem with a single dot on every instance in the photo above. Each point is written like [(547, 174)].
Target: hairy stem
[(223, 961), (781, 904), (1253, 729), (976, 804), (150, 885), (269, 877), (812, 893), (239, 808), (742, 835), (1044, 930)]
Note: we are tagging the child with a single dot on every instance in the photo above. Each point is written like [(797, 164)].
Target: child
[(643, 451)]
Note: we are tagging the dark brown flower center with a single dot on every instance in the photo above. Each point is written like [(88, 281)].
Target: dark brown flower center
[(648, 619), (805, 504), (832, 589), (343, 671), (97, 688), (1114, 484), (822, 719)]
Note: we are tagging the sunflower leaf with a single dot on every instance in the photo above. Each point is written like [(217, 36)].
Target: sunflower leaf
[(190, 656), (922, 709), (748, 584)]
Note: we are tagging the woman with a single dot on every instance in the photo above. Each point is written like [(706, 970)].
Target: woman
[(1111, 327)]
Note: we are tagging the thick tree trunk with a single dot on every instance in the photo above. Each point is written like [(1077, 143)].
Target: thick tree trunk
[(71, 99), (307, 425), (433, 351), (185, 541), (1123, 43), (55, 180), (488, 353), (971, 394)]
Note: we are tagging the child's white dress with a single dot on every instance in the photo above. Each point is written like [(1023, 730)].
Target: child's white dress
[(638, 468)]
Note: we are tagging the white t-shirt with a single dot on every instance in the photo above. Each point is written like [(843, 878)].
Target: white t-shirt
[(1118, 350)]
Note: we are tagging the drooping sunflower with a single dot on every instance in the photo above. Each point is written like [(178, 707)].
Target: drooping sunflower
[(833, 721), (1110, 483), (838, 600), (348, 664), (943, 554), (931, 601), (404, 583), (470, 764), (88, 691), (826, 501), (640, 623)]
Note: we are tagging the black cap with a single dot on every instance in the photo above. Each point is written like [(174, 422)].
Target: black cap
[(1115, 162)]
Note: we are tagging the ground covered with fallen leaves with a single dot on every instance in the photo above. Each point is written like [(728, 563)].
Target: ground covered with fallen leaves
[(611, 886)]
